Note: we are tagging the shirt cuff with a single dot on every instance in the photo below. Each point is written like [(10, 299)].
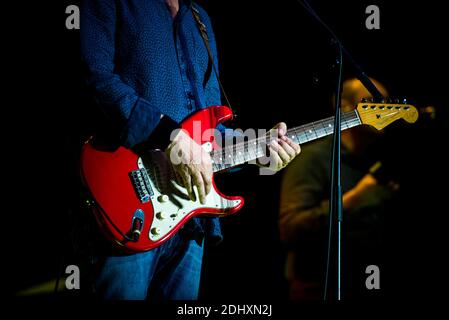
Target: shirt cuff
[(143, 119)]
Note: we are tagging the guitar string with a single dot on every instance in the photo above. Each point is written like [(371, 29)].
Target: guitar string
[(304, 128), (313, 128), (350, 119)]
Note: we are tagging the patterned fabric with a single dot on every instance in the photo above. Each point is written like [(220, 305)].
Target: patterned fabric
[(142, 64)]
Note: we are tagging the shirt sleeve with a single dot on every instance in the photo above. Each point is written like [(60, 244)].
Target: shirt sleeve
[(134, 117), (304, 202)]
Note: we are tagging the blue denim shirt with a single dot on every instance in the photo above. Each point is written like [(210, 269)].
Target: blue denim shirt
[(141, 64)]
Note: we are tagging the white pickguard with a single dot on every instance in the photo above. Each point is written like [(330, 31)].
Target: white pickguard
[(170, 209)]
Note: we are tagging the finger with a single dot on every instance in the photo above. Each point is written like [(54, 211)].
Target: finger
[(179, 180), (275, 160), (369, 179), (288, 149), (285, 158), (294, 145), (188, 184), (207, 172), (282, 130), (207, 178), (199, 183)]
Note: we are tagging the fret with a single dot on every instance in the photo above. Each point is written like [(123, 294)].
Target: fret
[(260, 152), (328, 127), (242, 154), (312, 132), (320, 132), (229, 159), (250, 150), (355, 121), (216, 167), (238, 154), (245, 155), (302, 137), (292, 134), (357, 117), (306, 134), (350, 123), (325, 127), (218, 160), (219, 157), (344, 124)]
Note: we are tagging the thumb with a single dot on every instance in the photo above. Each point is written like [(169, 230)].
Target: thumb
[(282, 128)]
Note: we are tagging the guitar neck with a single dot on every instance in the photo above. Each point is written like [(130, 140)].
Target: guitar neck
[(250, 150)]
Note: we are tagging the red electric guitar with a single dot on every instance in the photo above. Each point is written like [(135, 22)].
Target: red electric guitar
[(138, 204)]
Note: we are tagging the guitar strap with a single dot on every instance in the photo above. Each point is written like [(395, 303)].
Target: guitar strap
[(203, 32)]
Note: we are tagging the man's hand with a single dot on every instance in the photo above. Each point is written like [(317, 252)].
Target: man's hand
[(364, 188), (192, 165), (351, 198), (282, 149)]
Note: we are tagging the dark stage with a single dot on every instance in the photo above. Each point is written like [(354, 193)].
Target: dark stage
[(277, 64)]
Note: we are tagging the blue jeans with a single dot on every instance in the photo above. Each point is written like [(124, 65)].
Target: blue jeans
[(169, 272)]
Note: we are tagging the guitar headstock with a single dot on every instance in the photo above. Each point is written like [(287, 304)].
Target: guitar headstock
[(380, 115)]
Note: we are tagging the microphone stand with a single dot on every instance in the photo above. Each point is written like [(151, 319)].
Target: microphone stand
[(335, 208)]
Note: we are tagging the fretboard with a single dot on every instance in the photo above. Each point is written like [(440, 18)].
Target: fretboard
[(239, 153)]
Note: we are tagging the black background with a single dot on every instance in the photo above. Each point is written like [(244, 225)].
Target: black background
[(277, 65)]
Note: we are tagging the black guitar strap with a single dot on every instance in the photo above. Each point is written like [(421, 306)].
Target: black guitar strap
[(203, 31)]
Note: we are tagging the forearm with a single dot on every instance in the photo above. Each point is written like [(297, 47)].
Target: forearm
[(295, 223), (350, 200), (130, 115), (133, 117)]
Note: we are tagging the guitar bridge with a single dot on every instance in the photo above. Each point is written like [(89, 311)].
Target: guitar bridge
[(141, 183)]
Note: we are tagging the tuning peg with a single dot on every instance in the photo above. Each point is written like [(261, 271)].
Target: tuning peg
[(396, 100), (404, 101), (367, 100)]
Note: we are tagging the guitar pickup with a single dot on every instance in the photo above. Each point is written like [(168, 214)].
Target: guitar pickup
[(142, 185)]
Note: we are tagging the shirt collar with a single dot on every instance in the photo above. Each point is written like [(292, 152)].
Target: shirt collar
[(182, 2)]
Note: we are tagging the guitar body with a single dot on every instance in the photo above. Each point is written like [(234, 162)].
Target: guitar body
[(134, 197), (136, 200)]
